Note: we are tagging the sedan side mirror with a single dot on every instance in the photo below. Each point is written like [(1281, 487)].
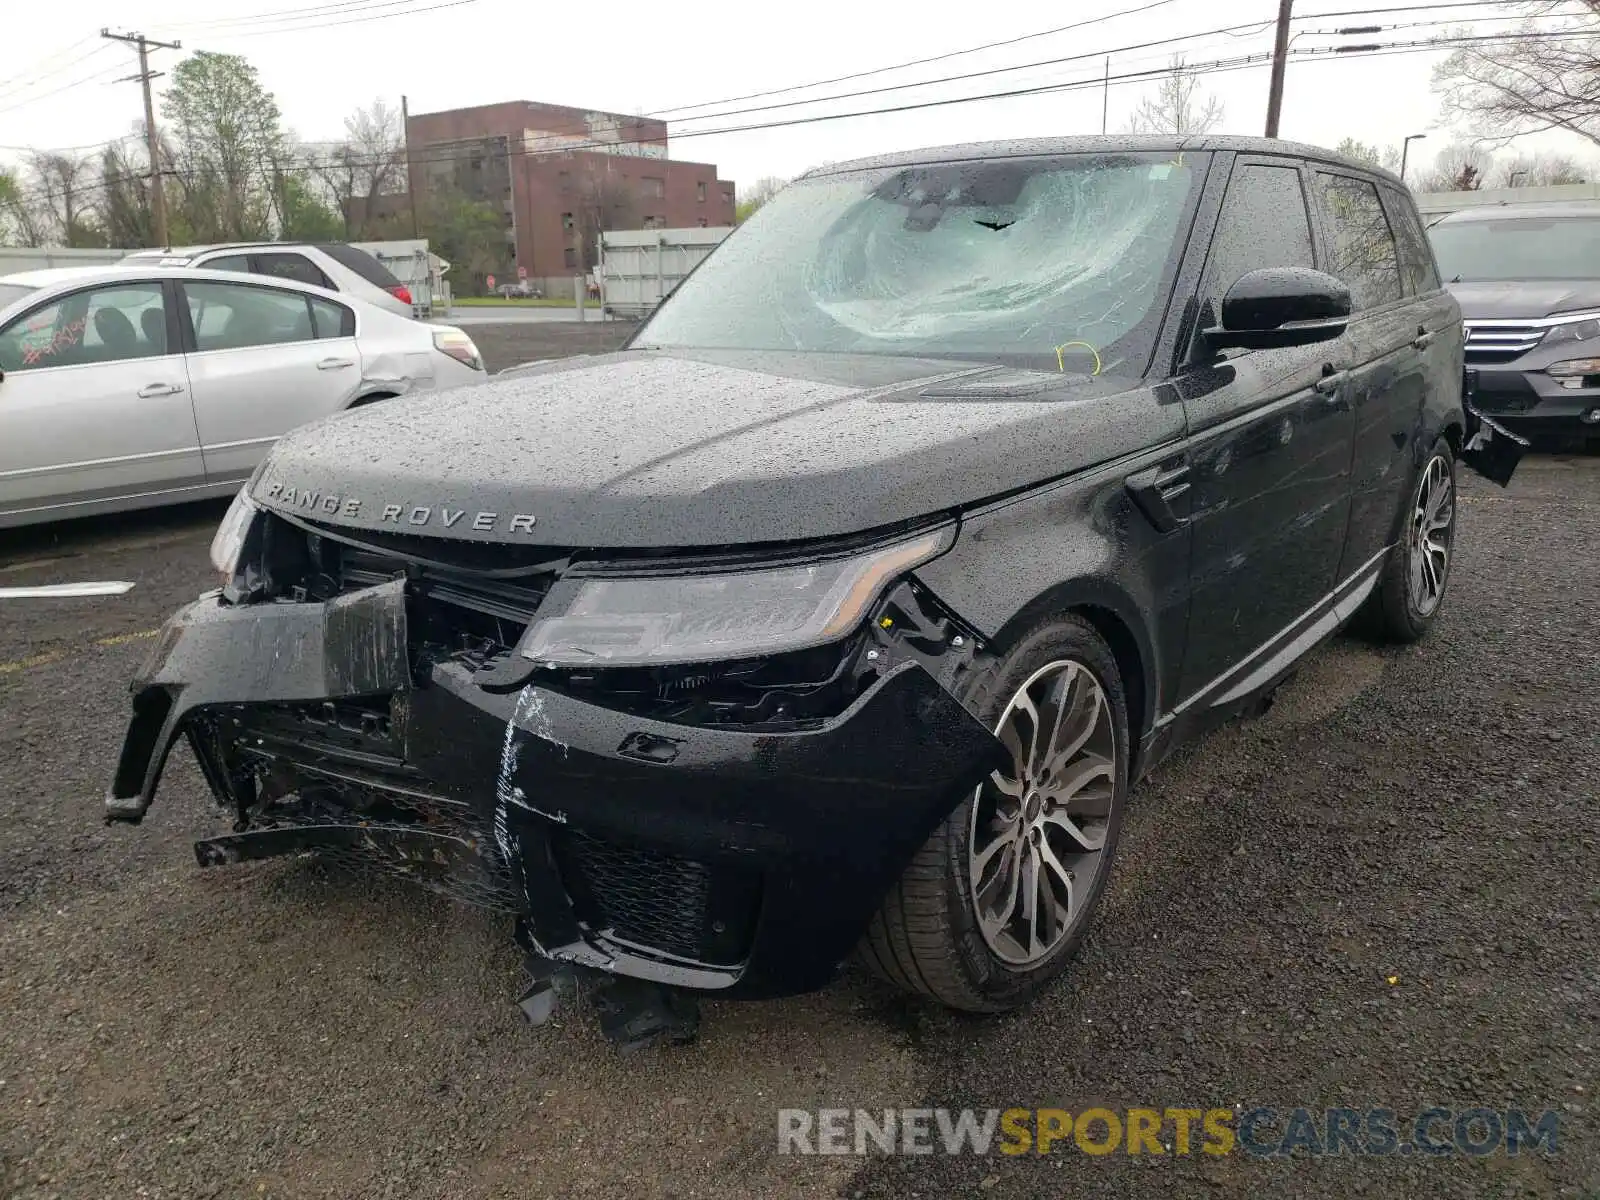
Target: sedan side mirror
[(1281, 306)]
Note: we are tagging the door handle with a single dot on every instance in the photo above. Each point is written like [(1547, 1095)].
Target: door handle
[(334, 364), (1332, 382), (151, 390), (1423, 340)]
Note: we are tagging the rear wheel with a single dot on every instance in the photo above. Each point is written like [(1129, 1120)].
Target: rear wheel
[(1417, 571), (994, 904)]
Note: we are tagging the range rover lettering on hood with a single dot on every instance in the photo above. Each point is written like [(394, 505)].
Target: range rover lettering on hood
[(418, 515)]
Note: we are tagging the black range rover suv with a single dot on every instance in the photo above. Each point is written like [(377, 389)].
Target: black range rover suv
[(845, 605)]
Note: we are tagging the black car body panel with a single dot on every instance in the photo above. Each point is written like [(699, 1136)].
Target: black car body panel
[(732, 823)]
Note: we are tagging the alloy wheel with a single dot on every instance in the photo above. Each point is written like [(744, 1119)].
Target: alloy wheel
[(1433, 516), (1038, 834)]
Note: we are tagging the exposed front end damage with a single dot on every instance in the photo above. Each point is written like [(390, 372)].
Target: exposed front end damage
[(723, 827)]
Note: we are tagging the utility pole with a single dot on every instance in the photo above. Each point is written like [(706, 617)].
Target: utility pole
[(158, 200), (1105, 96), (1280, 58), (411, 183)]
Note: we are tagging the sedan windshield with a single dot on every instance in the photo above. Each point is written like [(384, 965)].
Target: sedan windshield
[(1518, 248), (1061, 263)]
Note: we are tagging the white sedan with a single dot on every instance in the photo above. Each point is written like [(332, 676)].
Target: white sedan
[(128, 387)]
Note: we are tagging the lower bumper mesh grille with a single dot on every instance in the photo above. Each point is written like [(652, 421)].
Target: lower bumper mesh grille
[(644, 896)]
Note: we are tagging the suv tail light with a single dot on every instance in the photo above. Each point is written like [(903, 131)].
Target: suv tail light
[(401, 293)]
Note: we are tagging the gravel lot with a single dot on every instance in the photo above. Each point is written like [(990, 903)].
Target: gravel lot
[(1425, 814)]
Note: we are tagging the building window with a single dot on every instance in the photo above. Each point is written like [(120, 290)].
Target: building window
[(565, 179), (652, 189), (569, 256), (702, 222), (566, 220), (700, 191), (655, 223)]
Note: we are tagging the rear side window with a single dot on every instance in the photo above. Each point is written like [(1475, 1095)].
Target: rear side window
[(229, 316), (362, 263), (331, 320), (1263, 224), (1364, 253), (292, 266), (228, 262), (1416, 259)]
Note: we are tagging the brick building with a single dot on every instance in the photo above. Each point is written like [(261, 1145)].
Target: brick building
[(562, 175)]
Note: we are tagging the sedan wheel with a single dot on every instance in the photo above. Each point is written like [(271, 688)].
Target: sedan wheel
[(1039, 826)]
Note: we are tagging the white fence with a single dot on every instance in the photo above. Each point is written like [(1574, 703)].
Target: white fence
[(14, 259), (639, 267)]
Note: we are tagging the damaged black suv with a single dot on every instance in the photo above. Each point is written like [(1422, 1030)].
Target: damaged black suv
[(842, 608)]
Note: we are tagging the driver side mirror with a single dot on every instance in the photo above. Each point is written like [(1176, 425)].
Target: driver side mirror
[(1280, 306)]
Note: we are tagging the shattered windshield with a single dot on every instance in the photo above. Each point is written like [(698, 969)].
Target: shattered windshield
[(1512, 248), (1061, 263)]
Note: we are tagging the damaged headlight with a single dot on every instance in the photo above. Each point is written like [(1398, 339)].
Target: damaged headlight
[(641, 620), (229, 542)]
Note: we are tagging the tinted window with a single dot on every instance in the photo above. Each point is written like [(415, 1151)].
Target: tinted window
[(292, 266), (228, 262), (994, 259), (331, 320), (362, 263), (1530, 247), (1416, 260), (1364, 253), (107, 324), (230, 316), (1263, 224)]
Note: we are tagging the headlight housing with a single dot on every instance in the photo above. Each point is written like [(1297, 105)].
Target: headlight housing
[(228, 544), (1573, 368), (654, 620), (1574, 327), (458, 346)]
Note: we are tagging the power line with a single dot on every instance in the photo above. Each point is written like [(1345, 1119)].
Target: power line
[(96, 77), (27, 84), (312, 11), (409, 12), (918, 62), (1220, 66)]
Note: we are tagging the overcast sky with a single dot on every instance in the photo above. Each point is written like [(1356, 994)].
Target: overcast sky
[(631, 57)]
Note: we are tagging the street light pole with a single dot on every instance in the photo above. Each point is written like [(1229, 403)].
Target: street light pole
[(1405, 150)]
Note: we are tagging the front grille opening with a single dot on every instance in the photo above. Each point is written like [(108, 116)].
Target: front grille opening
[(659, 901)]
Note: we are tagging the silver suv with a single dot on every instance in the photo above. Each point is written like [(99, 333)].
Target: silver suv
[(332, 265)]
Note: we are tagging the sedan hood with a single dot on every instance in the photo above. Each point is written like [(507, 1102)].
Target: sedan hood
[(1526, 299), (657, 449)]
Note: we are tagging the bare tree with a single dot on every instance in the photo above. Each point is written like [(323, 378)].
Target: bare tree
[(65, 195), (1387, 157), (1540, 170), (369, 163), (1178, 105), (604, 203), (21, 220), (1459, 167), (1534, 82)]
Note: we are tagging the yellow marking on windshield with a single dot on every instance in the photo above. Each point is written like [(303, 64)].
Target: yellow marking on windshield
[(1061, 363)]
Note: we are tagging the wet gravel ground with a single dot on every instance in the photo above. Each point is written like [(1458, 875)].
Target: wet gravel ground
[(1423, 815)]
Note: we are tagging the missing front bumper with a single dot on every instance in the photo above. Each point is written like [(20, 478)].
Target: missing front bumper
[(710, 858)]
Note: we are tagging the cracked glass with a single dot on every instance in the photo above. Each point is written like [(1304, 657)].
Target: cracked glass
[(1060, 263)]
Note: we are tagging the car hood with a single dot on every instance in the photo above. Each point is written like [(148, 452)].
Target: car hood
[(671, 449), (1525, 299)]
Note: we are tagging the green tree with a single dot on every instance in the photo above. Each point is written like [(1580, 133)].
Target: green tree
[(754, 196), (1386, 157), (303, 215), (468, 234), (227, 134)]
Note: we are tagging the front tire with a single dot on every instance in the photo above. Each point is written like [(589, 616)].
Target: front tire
[(992, 907), (1416, 573)]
